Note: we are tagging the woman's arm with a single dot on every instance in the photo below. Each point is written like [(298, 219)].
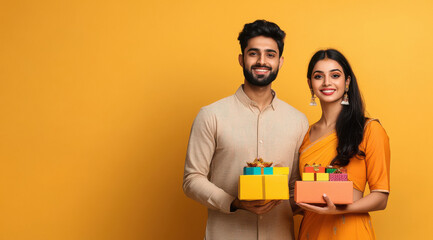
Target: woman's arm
[(372, 202), (377, 160)]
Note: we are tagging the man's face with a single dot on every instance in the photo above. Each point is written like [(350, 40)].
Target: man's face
[(261, 61)]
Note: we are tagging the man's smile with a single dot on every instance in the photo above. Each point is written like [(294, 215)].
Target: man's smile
[(261, 70)]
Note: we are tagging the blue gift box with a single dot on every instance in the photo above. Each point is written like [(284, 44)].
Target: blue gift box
[(268, 171), (252, 171)]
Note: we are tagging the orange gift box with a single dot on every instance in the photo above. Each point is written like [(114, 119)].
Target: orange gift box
[(312, 192)]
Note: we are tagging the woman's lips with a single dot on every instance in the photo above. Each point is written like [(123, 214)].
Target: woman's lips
[(327, 92)]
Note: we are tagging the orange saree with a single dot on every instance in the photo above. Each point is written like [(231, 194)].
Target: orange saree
[(374, 169)]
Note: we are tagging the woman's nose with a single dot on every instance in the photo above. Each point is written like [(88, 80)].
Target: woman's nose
[(326, 81)]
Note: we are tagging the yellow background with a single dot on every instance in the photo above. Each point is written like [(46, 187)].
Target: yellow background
[(97, 99)]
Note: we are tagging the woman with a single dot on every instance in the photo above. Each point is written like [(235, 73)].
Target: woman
[(343, 137)]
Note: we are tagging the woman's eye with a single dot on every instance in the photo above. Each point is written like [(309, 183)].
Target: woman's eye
[(317, 77), (335, 75)]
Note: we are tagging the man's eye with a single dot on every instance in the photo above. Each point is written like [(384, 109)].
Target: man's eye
[(271, 55), (253, 54)]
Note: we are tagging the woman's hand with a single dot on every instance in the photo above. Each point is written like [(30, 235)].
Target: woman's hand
[(330, 207), (372, 202)]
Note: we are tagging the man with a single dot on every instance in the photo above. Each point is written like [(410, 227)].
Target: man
[(252, 123)]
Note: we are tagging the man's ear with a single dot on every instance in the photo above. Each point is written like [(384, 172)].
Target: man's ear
[(241, 60), (281, 62)]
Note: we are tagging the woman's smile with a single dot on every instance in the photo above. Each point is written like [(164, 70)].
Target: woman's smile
[(327, 91)]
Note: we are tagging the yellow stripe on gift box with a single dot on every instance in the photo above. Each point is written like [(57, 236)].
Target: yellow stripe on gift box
[(281, 170)]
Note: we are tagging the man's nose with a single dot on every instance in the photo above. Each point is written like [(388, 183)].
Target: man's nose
[(261, 59)]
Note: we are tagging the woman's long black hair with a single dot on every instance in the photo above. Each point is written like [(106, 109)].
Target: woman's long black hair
[(351, 120)]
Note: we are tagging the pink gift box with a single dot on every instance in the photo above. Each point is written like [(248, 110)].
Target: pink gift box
[(338, 177)]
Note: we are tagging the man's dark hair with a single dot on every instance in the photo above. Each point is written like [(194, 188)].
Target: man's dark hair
[(262, 28)]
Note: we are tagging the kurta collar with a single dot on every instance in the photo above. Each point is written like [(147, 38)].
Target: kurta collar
[(240, 94)]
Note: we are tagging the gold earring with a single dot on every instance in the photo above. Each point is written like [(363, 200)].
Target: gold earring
[(313, 99), (345, 97)]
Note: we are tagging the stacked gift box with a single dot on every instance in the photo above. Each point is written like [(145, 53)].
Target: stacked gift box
[(318, 180), (261, 182)]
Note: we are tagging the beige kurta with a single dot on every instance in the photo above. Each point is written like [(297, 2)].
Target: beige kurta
[(224, 136)]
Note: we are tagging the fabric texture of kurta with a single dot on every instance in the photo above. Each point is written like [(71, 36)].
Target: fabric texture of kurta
[(374, 168), (224, 136)]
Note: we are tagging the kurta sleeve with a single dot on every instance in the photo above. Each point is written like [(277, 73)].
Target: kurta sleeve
[(294, 170), (377, 152), (201, 148)]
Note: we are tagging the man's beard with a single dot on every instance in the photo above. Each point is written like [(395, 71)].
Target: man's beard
[(261, 81)]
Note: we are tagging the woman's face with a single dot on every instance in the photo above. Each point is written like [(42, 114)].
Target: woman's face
[(328, 81)]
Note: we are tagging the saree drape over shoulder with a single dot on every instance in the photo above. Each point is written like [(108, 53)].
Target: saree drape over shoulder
[(374, 168)]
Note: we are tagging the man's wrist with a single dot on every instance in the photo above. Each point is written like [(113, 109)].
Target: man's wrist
[(233, 205)]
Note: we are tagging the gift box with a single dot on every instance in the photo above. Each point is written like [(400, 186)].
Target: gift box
[(280, 170), (322, 176), (308, 176), (276, 187), (338, 177), (314, 169), (250, 187), (263, 187), (268, 171), (252, 170), (312, 192), (268, 184)]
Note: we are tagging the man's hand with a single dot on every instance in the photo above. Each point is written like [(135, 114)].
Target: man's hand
[(257, 206)]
